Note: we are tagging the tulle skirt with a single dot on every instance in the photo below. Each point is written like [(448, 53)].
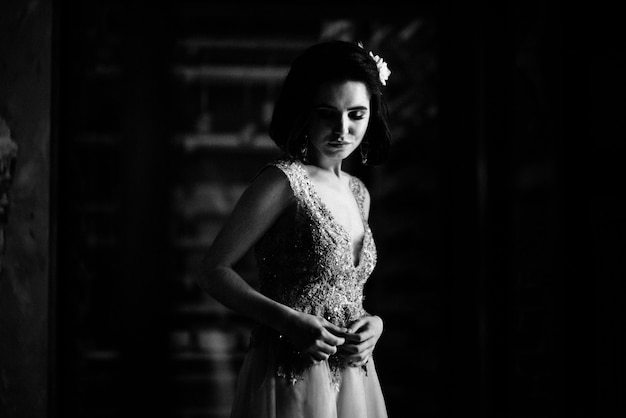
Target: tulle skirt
[(262, 394)]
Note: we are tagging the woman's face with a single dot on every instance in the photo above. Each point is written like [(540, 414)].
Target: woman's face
[(341, 113)]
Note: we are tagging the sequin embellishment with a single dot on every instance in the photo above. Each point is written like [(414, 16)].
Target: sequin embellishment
[(305, 261)]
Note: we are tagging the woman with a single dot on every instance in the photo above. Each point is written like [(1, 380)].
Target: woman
[(311, 355)]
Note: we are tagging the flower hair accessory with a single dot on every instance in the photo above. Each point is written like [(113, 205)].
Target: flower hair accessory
[(383, 70)]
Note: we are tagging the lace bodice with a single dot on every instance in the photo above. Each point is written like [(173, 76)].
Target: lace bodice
[(306, 260)]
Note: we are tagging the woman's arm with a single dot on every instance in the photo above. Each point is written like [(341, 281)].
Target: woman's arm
[(257, 210)]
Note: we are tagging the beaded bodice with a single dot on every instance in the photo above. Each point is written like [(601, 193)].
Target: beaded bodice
[(306, 260)]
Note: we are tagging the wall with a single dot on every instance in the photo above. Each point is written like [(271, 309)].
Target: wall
[(25, 90)]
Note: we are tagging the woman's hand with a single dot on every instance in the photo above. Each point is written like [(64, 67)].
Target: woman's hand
[(361, 338), (314, 337)]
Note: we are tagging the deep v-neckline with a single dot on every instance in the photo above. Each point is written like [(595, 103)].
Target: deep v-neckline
[(355, 263)]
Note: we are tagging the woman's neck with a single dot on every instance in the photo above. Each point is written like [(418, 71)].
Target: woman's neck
[(328, 165)]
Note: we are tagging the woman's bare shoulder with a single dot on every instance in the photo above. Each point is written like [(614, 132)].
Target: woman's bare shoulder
[(271, 187)]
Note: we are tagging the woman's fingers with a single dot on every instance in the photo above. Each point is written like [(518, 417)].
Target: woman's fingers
[(350, 348), (333, 340), (363, 333), (326, 342), (355, 343), (335, 329), (361, 340), (359, 359), (326, 348), (321, 351), (356, 325)]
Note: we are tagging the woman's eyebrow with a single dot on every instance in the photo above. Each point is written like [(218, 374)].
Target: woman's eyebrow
[(327, 106)]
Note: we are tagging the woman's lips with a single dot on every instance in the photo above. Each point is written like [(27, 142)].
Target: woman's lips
[(339, 143)]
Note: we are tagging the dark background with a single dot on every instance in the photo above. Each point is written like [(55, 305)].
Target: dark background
[(499, 217)]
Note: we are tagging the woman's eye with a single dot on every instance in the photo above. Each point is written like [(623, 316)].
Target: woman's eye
[(326, 114)]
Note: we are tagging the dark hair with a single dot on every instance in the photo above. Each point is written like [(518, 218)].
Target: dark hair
[(330, 61)]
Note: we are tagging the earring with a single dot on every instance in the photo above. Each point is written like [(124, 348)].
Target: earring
[(364, 150), (305, 147)]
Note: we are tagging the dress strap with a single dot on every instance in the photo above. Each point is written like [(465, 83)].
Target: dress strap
[(359, 190)]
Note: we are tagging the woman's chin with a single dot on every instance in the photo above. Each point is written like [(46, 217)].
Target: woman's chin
[(338, 152)]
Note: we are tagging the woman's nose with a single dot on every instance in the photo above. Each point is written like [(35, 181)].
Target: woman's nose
[(342, 124)]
